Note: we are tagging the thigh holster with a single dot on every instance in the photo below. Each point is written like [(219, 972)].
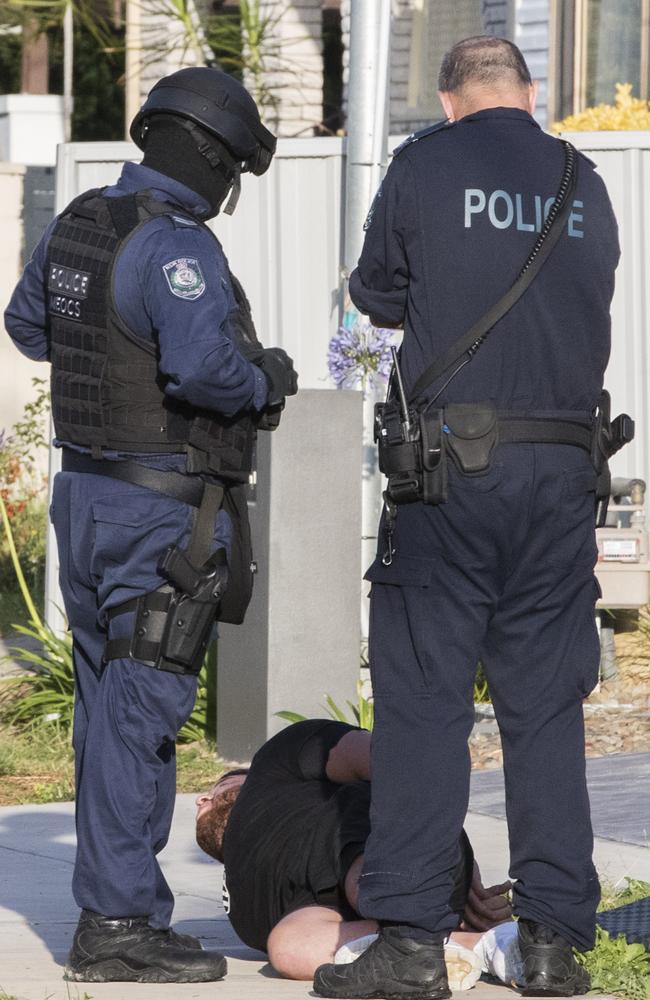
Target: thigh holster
[(173, 624)]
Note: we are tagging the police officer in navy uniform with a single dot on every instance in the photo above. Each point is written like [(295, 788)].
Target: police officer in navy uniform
[(502, 572), (158, 387)]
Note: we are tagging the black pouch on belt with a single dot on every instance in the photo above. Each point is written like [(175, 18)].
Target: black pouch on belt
[(433, 456), (399, 457), (471, 435)]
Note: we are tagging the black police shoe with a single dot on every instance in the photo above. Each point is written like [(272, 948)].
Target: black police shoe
[(393, 967), (550, 970), (128, 950)]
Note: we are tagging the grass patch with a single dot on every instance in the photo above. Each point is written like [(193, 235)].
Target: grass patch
[(37, 766), (197, 766)]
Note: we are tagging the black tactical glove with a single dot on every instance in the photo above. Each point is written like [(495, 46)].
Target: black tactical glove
[(280, 374)]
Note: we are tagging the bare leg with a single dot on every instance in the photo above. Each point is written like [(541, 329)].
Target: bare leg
[(312, 935), (309, 937)]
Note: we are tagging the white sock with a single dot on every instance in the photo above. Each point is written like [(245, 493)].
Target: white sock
[(499, 952), (350, 951)]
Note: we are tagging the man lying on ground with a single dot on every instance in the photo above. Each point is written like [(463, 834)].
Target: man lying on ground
[(291, 832)]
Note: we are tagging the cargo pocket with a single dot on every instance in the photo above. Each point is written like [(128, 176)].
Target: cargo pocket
[(404, 571), (574, 544), (132, 531)]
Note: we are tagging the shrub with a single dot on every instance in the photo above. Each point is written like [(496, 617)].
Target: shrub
[(48, 697), (22, 489), (626, 112)]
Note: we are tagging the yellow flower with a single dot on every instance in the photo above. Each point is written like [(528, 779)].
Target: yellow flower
[(627, 112)]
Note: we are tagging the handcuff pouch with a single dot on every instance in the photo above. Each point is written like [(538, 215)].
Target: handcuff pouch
[(471, 434)]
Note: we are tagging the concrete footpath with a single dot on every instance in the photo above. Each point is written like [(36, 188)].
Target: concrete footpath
[(38, 914)]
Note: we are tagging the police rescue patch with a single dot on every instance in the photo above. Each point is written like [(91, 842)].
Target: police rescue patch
[(371, 214), (185, 278)]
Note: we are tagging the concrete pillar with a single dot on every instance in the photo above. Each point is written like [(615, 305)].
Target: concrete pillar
[(301, 637)]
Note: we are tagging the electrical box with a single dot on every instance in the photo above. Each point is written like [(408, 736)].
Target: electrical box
[(623, 568)]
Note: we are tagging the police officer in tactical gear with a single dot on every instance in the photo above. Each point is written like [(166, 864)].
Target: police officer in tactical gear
[(159, 385), (495, 563)]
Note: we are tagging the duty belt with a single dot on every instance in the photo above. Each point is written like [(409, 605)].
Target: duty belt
[(187, 489), (542, 430)]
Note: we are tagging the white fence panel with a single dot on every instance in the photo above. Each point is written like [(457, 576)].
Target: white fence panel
[(283, 242), (623, 161)]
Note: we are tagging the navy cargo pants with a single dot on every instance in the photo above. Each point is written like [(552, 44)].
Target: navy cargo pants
[(110, 537), (501, 573)]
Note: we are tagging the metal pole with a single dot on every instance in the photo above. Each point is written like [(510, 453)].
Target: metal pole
[(367, 142), (132, 64), (367, 124), (68, 61)]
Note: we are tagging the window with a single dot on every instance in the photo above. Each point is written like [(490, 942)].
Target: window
[(436, 25), (597, 44)]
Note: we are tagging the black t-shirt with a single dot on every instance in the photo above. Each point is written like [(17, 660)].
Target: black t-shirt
[(288, 829)]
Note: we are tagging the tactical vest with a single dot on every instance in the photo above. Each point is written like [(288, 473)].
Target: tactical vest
[(107, 390)]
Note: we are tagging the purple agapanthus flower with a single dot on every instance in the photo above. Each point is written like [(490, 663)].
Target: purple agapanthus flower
[(360, 355)]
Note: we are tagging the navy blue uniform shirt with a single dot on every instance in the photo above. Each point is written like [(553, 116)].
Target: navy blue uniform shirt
[(455, 218), (200, 361)]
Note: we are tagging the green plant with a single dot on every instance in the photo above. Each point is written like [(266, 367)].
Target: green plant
[(22, 490), (618, 967), (481, 690), (615, 895), (362, 714)]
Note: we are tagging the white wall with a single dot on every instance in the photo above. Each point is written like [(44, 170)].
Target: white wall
[(31, 127)]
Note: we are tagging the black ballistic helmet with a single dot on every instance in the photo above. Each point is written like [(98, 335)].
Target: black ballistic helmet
[(217, 103)]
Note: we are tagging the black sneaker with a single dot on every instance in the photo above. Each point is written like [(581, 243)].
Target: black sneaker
[(128, 950), (392, 967), (550, 969), (184, 940)]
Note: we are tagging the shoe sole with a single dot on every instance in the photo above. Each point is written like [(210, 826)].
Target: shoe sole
[(114, 971), (575, 989), (554, 991), (438, 994)]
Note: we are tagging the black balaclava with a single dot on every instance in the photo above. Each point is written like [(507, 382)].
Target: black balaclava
[(171, 150)]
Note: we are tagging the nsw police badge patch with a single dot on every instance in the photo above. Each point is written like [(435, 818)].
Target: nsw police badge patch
[(185, 278)]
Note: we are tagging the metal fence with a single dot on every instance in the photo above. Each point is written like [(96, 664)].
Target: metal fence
[(284, 243), (623, 160)]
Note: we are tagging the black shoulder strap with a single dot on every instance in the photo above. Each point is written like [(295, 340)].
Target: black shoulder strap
[(470, 342), (124, 214)]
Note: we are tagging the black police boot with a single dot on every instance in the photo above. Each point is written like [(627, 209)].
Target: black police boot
[(393, 967), (128, 950), (550, 970)]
